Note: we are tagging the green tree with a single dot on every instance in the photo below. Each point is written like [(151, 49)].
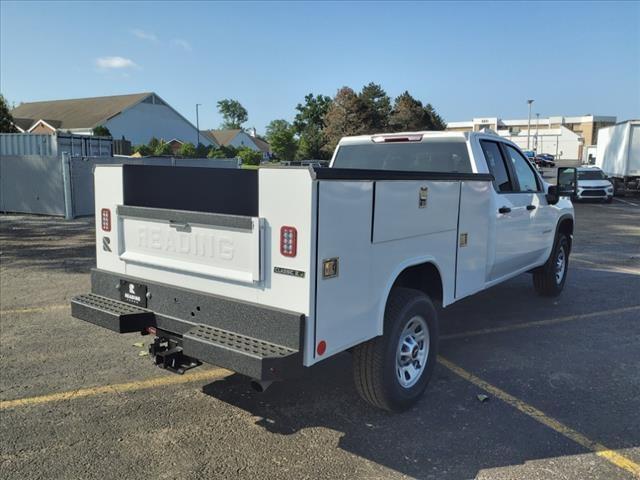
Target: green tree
[(143, 150), (281, 137), (249, 156), (346, 116), (6, 119), (223, 152), (187, 150), (202, 151), (101, 131), (377, 108), (435, 121), (233, 113), (163, 148), (153, 143), (409, 114), (309, 125)]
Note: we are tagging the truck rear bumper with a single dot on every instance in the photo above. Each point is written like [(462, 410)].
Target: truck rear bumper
[(260, 342)]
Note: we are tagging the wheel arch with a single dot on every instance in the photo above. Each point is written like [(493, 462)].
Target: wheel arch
[(565, 225), (420, 274)]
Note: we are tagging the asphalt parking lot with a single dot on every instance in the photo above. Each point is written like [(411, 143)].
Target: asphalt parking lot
[(562, 377)]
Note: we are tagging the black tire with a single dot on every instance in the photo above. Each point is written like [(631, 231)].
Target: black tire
[(545, 280), (374, 362)]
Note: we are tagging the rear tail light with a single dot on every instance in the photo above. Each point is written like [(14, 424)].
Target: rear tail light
[(288, 241), (105, 214)]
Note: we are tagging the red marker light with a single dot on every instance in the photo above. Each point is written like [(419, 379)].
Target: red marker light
[(322, 347), (288, 241), (105, 214)]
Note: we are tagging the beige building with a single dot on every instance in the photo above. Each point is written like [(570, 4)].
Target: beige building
[(585, 127)]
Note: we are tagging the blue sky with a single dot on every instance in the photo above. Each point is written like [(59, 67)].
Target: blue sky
[(467, 59)]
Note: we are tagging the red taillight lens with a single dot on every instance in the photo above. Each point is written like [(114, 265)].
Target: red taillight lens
[(105, 213), (288, 241)]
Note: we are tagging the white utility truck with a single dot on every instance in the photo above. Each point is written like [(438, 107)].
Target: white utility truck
[(267, 272), (618, 155)]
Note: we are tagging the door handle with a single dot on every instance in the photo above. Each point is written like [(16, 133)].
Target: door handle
[(180, 226), (531, 207), (504, 210)]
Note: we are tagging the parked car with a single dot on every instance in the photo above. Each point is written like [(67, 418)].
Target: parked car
[(545, 160), (267, 272), (593, 184)]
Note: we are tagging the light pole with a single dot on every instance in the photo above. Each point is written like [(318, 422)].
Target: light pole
[(529, 126), (537, 124), (198, 124)]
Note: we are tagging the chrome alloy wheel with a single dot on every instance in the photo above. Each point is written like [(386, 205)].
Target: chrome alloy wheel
[(412, 353), (561, 265)]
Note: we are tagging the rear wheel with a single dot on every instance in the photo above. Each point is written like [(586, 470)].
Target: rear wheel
[(549, 279), (392, 371)]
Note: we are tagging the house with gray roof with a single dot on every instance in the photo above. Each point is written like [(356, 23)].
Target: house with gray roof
[(137, 117), (239, 138)]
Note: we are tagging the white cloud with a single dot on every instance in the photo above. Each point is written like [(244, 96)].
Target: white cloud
[(141, 34), (115, 63), (182, 43)]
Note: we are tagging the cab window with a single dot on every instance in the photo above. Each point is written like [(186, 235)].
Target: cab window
[(497, 166), (527, 179)]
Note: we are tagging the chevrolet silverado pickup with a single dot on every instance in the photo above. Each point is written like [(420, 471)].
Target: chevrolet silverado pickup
[(266, 272)]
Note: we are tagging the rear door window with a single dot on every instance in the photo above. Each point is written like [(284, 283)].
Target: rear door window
[(435, 155), (497, 166)]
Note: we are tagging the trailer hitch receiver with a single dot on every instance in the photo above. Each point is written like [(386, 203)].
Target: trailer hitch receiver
[(167, 353)]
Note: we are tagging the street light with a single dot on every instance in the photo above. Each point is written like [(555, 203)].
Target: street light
[(529, 126), (198, 124), (537, 125)]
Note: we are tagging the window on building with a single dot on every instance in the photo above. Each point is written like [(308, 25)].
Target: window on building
[(497, 166)]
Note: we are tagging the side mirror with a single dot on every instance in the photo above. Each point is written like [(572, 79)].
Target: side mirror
[(566, 185), (567, 181)]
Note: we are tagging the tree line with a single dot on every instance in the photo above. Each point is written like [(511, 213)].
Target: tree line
[(321, 121), (160, 147)]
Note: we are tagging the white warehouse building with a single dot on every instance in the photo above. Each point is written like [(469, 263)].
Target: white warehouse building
[(136, 117), (566, 138)]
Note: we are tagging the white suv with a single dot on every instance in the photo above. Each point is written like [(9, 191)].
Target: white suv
[(593, 185)]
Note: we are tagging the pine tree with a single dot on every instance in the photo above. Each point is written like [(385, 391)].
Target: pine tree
[(6, 119)]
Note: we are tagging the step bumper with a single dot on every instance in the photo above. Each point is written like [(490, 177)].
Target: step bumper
[(241, 337), (108, 313)]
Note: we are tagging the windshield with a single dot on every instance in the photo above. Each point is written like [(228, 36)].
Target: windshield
[(591, 175), (436, 155)]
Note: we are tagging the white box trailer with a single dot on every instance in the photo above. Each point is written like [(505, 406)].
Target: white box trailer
[(270, 271), (618, 155)]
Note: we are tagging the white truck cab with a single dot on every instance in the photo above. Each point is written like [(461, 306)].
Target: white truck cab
[(268, 272)]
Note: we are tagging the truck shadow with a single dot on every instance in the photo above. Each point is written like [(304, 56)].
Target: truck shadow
[(450, 434)]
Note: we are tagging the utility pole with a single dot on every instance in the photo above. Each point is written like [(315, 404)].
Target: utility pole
[(198, 124), (529, 126)]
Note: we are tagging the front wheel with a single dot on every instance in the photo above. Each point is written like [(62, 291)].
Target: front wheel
[(392, 371), (549, 279)]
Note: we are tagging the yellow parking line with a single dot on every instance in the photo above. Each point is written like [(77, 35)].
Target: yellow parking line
[(611, 456), (33, 309), (538, 323), (210, 374)]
